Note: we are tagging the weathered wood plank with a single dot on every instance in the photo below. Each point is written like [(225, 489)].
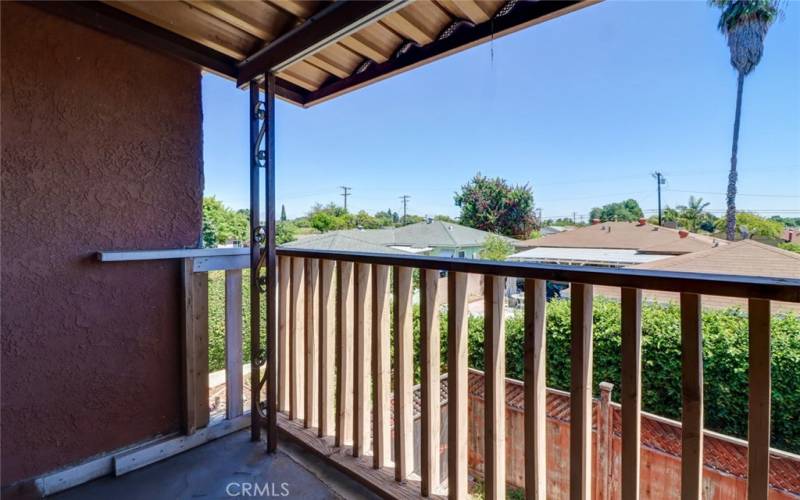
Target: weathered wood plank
[(284, 275), (631, 391), (361, 371), (580, 443), (233, 343), (692, 397), (404, 374), (535, 387), (327, 344), (430, 353), (195, 348), (495, 405), (758, 429), (296, 339), (311, 337), (457, 348), (344, 353), (381, 367)]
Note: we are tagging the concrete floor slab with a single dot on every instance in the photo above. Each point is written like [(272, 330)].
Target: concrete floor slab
[(230, 467)]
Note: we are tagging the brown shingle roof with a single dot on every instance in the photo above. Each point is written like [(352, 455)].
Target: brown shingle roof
[(746, 257), (627, 236)]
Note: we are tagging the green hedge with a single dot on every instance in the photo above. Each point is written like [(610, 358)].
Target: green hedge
[(216, 319), (725, 350), (725, 357)]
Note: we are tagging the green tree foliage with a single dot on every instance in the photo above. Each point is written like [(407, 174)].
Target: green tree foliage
[(792, 247), (623, 211), (786, 221), (745, 24), (495, 206), (222, 224), (754, 225), (692, 214), (329, 217), (496, 248), (285, 232)]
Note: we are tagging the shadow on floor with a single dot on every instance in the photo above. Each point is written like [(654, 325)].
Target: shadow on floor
[(230, 467)]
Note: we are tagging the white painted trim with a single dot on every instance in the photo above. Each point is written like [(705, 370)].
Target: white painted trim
[(52, 483), (221, 263), (178, 253), (136, 459)]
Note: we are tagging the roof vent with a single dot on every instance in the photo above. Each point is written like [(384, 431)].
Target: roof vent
[(428, 220), (642, 221), (683, 233), (595, 221)]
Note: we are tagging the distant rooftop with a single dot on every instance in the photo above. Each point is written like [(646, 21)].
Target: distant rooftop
[(746, 258), (586, 256), (645, 238), (414, 237)]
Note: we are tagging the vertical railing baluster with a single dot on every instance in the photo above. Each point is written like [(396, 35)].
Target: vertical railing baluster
[(457, 349), (361, 371), (311, 350), (296, 339), (580, 442), (233, 343), (631, 391), (403, 374), (327, 344), (431, 406), (495, 404), (284, 277), (535, 390), (344, 353), (692, 396), (758, 429), (381, 366)]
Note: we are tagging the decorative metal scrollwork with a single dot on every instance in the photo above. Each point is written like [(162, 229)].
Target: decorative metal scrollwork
[(261, 357), (262, 284), (260, 234), (259, 154)]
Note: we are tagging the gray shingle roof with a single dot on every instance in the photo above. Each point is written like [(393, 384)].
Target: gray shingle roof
[(420, 235)]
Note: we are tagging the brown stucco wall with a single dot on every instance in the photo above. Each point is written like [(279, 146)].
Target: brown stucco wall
[(101, 149)]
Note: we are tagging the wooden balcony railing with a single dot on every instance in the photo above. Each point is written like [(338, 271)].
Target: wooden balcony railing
[(334, 372)]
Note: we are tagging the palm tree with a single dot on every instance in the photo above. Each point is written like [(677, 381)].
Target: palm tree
[(692, 213), (745, 24)]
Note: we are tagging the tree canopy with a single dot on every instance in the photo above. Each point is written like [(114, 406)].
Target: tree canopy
[(494, 205), (755, 225), (623, 211), (222, 224), (496, 248)]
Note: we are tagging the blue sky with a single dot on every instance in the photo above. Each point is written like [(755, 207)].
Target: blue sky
[(582, 108)]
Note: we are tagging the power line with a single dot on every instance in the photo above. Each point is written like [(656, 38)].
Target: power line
[(737, 194), (345, 193)]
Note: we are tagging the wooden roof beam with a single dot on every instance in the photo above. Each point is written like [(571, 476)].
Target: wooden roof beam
[(332, 23)]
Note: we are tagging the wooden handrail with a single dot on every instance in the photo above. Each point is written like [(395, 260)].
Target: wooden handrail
[(780, 289), (358, 326)]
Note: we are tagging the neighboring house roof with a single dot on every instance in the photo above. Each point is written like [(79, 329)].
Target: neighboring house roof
[(438, 233), (419, 236), (585, 256), (745, 257), (626, 236), (338, 241)]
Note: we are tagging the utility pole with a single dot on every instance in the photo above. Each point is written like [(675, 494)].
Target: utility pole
[(574, 219), (345, 193), (405, 199), (539, 210), (659, 177)]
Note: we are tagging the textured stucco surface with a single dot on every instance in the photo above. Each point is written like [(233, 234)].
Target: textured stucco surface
[(101, 149)]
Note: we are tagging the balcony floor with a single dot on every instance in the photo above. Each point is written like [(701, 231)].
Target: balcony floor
[(206, 471)]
